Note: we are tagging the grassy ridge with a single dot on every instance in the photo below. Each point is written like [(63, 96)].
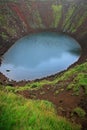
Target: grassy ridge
[(74, 78), (18, 113)]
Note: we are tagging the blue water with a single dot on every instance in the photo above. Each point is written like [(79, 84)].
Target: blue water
[(39, 55)]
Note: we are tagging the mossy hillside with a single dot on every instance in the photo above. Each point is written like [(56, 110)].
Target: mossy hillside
[(79, 79), (79, 21), (79, 112), (3, 23), (7, 28), (2, 20), (57, 13), (18, 113), (37, 20), (76, 76), (69, 15), (4, 36), (74, 79)]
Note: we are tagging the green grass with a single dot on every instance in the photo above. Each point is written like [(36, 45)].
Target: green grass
[(76, 78), (30, 86), (80, 112), (79, 81), (18, 113)]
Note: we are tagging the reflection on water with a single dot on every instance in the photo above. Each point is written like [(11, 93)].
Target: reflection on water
[(39, 55)]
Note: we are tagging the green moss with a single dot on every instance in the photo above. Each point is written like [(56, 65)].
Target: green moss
[(4, 36), (37, 21), (72, 29), (2, 20), (77, 76), (70, 86), (79, 81), (10, 30), (82, 81), (69, 14), (81, 20), (57, 92), (80, 112), (78, 22), (57, 13), (4, 23), (37, 85)]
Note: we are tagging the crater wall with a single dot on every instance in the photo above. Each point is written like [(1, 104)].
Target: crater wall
[(22, 17)]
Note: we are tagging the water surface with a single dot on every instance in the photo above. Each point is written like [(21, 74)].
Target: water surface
[(39, 55)]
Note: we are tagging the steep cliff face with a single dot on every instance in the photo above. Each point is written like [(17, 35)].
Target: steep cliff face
[(21, 17)]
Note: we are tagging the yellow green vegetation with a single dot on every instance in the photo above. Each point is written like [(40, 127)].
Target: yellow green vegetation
[(57, 13), (18, 113), (37, 21), (79, 20), (79, 111), (4, 23), (4, 36), (2, 20), (12, 31), (29, 86), (79, 78), (69, 15)]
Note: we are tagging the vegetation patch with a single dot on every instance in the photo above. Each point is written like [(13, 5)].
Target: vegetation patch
[(69, 15), (57, 13), (4, 36), (18, 113), (80, 112), (37, 20)]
